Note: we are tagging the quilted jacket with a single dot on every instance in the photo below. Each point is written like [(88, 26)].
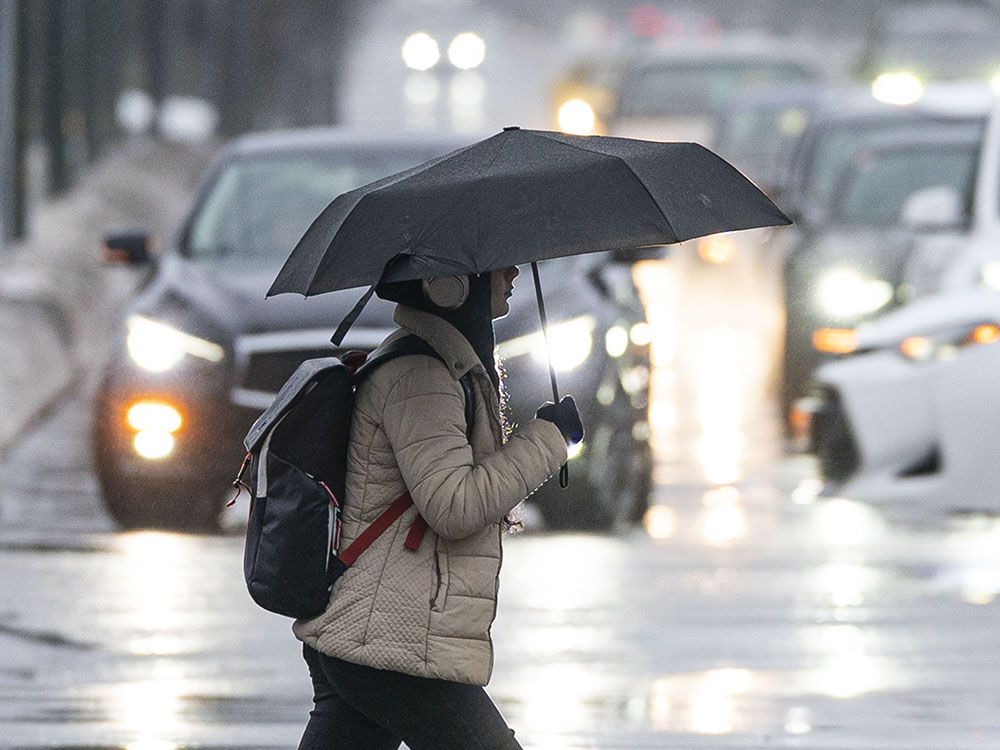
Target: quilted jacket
[(428, 612)]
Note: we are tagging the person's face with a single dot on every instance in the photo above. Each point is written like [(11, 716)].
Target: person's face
[(501, 287)]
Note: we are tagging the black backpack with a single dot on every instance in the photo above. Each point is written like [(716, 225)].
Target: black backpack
[(297, 456)]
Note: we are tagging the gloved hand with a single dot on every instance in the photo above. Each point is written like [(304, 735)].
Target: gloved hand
[(564, 416)]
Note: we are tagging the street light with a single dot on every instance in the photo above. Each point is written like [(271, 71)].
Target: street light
[(420, 51)]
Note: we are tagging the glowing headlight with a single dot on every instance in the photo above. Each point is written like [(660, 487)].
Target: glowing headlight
[(990, 274), (898, 88), (844, 293), (571, 342), (577, 117), (157, 347), (995, 83)]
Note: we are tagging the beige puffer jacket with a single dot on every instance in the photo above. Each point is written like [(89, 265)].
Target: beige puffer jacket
[(428, 613)]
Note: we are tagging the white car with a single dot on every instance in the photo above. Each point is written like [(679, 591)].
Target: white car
[(912, 414)]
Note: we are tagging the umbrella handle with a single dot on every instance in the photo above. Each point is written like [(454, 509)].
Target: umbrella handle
[(564, 469)]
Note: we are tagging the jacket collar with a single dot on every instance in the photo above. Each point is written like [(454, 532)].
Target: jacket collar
[(444, 338)]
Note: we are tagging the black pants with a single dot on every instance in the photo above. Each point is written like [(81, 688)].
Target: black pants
[(360, 708)]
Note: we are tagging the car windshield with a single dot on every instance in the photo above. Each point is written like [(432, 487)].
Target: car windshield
[(760, 140), (942, 54), (700, 88), (835, 149), (878, 184), (260, 207)]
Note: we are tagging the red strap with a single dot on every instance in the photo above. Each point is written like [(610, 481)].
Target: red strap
[(387, 518), (416, 534)]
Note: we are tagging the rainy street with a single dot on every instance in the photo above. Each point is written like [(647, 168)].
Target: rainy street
[(746, 612)]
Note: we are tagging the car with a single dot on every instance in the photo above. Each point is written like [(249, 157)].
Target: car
[(918, 43), (811, 191), (673, 93), (202, 352), (908, 413), (909, 419)]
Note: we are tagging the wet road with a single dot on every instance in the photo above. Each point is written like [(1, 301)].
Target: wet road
[(746, 613)]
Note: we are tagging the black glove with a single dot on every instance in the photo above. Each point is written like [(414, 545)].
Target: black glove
[(564, 416)]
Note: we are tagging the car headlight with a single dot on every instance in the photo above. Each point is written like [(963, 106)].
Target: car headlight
[(989, 274), (157, 347), (844, 294), (577, 117), (898, 87), (570, 343)]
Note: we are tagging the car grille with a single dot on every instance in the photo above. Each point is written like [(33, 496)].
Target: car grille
[(268, 371), (833, 439), (266, 360)]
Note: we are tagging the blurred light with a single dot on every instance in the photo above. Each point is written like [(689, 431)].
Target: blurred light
[(420, 51), (995, 83), (660, 522), (840, 522), (157, 347), (916, 347), (991, 274), (466, 93), (797, 721), (641, 334), (792, 121), (806, 491), (577, 117), (421, 89), (187, 118), (616, 341), (986, 333), (845, 293), (153, 415), (717, 249), (570, 343), (725, 519), (835, 340), (153, 444), (466, 51), (135, 112), (151, 745), (574, 451), (898, 88)]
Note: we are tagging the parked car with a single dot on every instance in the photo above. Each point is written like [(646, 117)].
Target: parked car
[(909, 414), (202, 352), (813, 189)]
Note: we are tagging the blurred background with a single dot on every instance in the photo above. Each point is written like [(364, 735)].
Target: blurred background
[(782, 530)]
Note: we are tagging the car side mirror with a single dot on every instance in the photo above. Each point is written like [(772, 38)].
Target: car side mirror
[(132, 247), (636, 254), (933, 209)]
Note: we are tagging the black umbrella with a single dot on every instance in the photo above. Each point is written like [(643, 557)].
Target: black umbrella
[(520, 196)]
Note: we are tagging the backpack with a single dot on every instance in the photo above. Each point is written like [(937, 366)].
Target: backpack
[(297, 456)]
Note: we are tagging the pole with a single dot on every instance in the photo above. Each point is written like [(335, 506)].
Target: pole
[(9, 112), (564, 469)]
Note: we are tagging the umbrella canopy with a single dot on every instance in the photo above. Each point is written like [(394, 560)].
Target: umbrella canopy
[(517, 197)]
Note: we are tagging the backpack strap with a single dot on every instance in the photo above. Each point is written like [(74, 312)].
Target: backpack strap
[(404, 345)]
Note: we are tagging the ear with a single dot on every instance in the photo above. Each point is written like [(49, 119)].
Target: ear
[(448, 292)]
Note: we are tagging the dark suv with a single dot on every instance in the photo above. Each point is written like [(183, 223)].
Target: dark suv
[(202, 353)]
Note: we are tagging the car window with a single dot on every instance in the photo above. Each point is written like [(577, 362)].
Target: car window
[(700, 89), (760, 140), (260, 207), (879, 183), (834, 151)]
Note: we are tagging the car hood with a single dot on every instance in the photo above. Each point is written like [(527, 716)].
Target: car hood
[(229, 297), (877, 252)]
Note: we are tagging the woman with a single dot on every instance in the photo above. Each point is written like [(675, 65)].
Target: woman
[(403, 649)]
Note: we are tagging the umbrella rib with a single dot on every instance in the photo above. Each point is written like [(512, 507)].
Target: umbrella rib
[(629, 168)]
